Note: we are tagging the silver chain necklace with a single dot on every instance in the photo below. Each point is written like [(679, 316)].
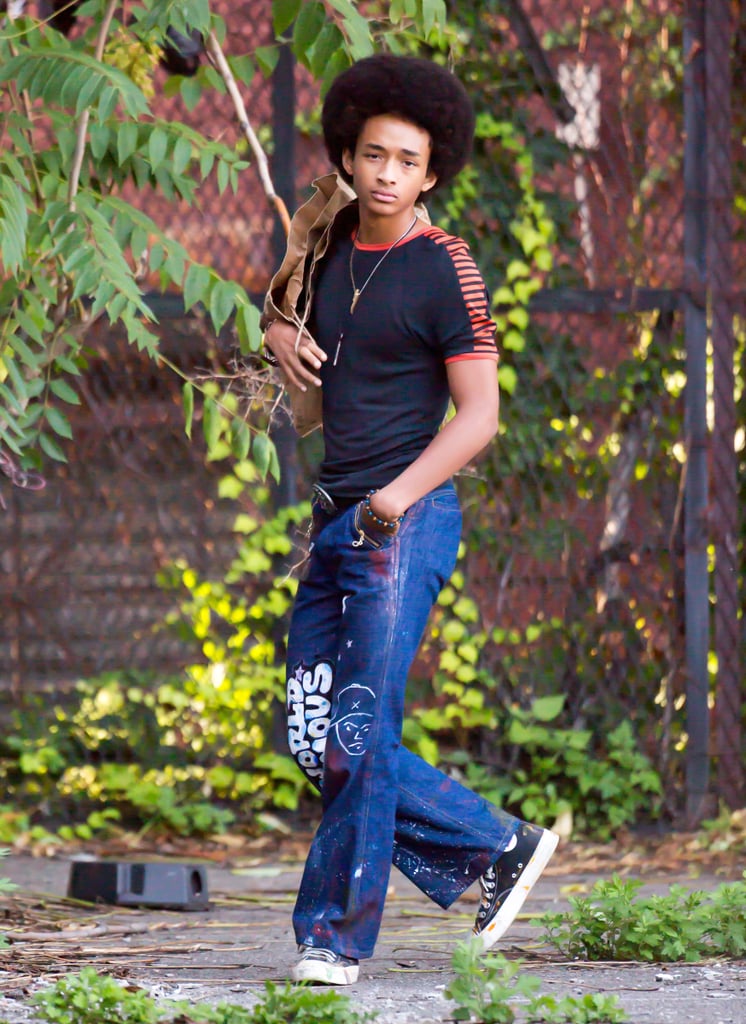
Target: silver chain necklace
[(357, 292)]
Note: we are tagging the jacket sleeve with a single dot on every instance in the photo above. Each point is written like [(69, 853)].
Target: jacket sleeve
[(309, 222)]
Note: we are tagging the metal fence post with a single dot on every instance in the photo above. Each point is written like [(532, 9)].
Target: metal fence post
[(696, 483), (283, 171), (724, 469)]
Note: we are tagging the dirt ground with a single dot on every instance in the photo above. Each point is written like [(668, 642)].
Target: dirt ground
[(227, 953)]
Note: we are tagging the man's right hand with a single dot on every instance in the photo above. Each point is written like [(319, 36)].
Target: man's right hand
[(297, 366)]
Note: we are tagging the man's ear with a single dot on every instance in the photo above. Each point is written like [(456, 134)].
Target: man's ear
[(429, 182), (347, 161)]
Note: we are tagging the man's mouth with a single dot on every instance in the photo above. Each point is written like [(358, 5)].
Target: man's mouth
[(384, 197)]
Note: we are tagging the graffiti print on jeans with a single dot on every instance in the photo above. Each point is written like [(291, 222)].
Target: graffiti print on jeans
[(353, 717), (309, 706)]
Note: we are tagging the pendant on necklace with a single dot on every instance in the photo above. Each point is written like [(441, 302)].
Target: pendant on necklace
[(339, 345), (355, 297)]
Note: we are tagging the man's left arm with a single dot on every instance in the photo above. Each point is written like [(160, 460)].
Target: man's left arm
[(475, 393)]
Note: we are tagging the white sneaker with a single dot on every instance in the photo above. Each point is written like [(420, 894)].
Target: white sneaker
[(325, 967)]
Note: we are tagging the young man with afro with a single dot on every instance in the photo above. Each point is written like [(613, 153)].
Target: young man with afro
[(390, 318)]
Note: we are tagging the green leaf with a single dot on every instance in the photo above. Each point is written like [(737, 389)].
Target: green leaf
[(433, 13), (182, 155), (58, 422), (308, 25), (513, 340), (13, 225), (284, 13), (98, 136), (546, 709), (519, 317), (191, 92), (330, 39), (517, 268), (196, 285), (508, 378), (223, 175), (211, 423), (21, 348), (86, 95), (222, 301), (206, 160), (51, 448), (240, 439), (261, 453), (358, 31), (242, 68), (62, 390), (267, 57), (126, 141), (187, 393), (107, 103), (247, 327), (157, 147)]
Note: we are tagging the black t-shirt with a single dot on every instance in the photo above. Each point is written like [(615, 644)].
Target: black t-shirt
[(385, 399)]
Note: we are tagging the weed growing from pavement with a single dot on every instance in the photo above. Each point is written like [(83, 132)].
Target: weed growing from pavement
[(5, 886), (303, 1005), (491, 990), (93, 998), (613, 923)]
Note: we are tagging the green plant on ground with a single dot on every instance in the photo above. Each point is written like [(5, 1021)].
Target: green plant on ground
[(592, 1008), (93, 998), (492, 990), (5, 886), (485, 986), (303, 1005), (613, 923)]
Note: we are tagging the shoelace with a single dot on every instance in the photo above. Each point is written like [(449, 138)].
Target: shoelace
[(326, 955), (488, 883)]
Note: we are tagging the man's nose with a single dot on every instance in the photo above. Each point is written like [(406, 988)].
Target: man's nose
[(387, 171)]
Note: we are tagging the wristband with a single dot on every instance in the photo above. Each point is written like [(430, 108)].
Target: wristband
[(386, 524), (268, 355)]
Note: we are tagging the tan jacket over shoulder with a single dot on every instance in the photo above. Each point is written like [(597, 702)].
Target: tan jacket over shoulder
[(309, 234)]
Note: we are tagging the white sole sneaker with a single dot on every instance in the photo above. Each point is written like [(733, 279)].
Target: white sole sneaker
[(515, 894), (324, 967)]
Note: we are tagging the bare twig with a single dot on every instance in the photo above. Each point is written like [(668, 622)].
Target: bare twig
[(82, 129), (217, 57)]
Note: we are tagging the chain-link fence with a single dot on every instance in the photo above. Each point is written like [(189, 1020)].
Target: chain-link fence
[(603, 538)]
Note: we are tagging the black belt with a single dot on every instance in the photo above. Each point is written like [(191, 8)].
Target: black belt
[(332, 506)]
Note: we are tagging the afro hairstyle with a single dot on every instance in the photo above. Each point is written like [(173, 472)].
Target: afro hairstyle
[(412, 88)]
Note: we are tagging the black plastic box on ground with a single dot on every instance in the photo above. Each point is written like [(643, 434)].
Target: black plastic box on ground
[(156, 884)]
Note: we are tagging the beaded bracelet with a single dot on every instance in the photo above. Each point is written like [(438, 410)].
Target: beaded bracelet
[(381, 522), (267, 354)]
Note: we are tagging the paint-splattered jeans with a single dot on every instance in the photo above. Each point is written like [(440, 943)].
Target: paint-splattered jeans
[(357, 623)]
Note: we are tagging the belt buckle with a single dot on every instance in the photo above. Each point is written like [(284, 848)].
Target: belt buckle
[(324, 499)]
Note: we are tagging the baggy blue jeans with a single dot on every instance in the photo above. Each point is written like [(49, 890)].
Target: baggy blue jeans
[(358, 620)]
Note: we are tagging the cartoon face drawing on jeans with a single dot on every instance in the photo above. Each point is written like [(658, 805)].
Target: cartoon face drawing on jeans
[(353, 718)]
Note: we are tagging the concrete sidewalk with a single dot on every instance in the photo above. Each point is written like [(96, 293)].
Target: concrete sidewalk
[(227, 953)]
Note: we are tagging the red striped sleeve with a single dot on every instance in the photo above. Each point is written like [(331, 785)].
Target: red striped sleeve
[(474, 294)]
